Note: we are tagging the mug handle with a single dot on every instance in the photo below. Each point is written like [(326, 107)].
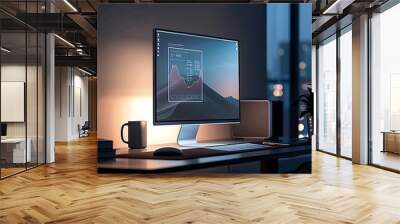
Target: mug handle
[(122, 133)]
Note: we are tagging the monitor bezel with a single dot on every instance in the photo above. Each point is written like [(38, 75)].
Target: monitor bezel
[(178, 122)]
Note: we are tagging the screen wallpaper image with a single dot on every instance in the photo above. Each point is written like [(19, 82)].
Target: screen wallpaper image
[(196, 78)]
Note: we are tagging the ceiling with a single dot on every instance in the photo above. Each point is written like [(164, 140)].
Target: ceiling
[(74, 21)]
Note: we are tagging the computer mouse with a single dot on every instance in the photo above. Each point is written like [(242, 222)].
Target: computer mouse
[(167, 151)]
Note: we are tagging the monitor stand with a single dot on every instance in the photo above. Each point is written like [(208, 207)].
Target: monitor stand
[(187, 137)]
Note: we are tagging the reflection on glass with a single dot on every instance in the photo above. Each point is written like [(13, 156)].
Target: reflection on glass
[(346, 94), (22, 92), (385, 84), (41, 98), (14, 153), (288, 62), (327, 96), (31, 100)]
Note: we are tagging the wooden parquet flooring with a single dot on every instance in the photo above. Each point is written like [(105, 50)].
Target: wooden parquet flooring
[(70, 191)]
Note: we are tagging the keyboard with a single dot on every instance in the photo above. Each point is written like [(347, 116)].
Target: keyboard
[(238, 147)]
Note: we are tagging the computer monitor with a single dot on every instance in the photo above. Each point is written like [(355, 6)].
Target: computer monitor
[(3, 130), (196, 81)]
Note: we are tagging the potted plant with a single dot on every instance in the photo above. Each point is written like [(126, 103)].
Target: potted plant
[(306, 108)]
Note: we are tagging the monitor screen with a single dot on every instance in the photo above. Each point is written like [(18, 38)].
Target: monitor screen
[(196, 79)]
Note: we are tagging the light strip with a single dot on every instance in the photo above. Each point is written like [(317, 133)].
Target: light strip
[(70, 5), (338, 6), (64, 40), (84, 71), (5, 50), (326, 11)]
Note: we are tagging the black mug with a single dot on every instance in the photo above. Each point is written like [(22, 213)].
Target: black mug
[(137, 134)]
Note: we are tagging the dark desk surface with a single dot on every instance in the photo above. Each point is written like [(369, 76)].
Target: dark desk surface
[(157, 166)]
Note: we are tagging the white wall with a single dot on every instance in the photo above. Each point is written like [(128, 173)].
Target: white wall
[(12, 101), (61, 103), (33, 127), (70, 83), (79, 118), (17, 73)]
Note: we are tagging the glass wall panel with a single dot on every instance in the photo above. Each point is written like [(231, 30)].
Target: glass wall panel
[(314, 90), (14, 153), (22, 88), (41, 79), (385, 89), (346, 93), (32, 85), (327, 96), (31, 99)]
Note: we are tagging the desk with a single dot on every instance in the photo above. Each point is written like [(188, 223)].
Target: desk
[(266, 157), (13, 150), (391, 141)]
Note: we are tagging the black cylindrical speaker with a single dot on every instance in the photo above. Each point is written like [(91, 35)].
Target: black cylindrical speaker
[(137, 134)]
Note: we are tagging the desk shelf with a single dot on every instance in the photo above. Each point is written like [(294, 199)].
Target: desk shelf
[(267, 157)]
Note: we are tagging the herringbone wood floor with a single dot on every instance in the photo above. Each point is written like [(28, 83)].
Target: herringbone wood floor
[(70, 191)]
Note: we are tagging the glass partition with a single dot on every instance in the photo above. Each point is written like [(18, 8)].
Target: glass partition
[(13, 94), (326, 96), (41, 97), (385, 89), (31, 99), (22, 88), (346, 92)]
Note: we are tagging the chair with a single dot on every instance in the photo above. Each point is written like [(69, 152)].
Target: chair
[(84, 130)]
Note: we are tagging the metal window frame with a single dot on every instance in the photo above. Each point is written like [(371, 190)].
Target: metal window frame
[(339, 32), (381, 9), (44, 73)]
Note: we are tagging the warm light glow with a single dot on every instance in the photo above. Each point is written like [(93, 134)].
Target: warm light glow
[(141, 109), (301, 127), (125, 94), (302, 65), (277, 90), (70, 5)]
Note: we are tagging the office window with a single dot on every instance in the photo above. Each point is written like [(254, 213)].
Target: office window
[(346, 92), (22, 94), (31, 100), (41, 97), (13, 147), (314, 89), (385, 89), (327, 96)]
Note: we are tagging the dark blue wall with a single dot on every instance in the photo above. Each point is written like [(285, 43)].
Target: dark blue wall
[(275, 43), (288, 63), (244, 22)]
